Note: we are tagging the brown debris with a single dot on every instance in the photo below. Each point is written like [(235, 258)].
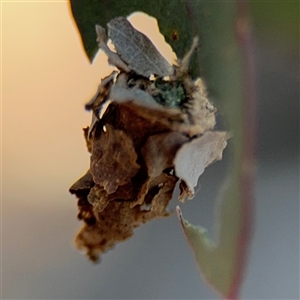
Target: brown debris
[(83, 184), (113, 160), (140, 148), (133, 148), (102, 92), (185, 192), (113, 225), (193, 157), (117, 221), (98, 198), (160, 149), (86, 212), (160, 191), (88, 141)]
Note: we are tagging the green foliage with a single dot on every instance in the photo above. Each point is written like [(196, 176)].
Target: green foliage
[(217, 49), (273, 19), (100, 12)]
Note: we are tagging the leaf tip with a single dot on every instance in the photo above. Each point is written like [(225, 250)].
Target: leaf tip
[(179, 215)]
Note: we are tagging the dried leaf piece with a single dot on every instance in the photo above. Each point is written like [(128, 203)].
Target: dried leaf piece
[(132, 88), (98, 198), (113, 58), (115, 224), (193, 157), (86, 212), (150, 188), (121, 92), (137, 96), (185, 192), (161, 200), (137, 50), (102, 91), (82, 185), (92, 127), (85, 208), (88, 141), (139, 122), (159, 194), (117, 221), (160, 149), (113, 160)]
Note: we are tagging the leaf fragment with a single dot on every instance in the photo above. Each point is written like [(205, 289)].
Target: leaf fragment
[(122, 94), (102, 91), (113, 160), (193, 157), (83, 184), (98, 197), (137, 50), (116, 221), (113, 58), (160, 149), (114, 224)]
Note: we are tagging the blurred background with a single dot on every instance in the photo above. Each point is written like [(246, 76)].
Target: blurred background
[(46, 79)]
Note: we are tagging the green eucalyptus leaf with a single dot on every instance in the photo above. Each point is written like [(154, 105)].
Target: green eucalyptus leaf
[(87, 14), (223, 263), (177, 31), (220, 261), (179, 21)]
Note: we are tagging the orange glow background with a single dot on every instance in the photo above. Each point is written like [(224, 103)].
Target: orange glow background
[(46, 79)]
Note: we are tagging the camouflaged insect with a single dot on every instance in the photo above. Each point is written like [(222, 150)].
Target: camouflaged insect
[(147, 132)]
